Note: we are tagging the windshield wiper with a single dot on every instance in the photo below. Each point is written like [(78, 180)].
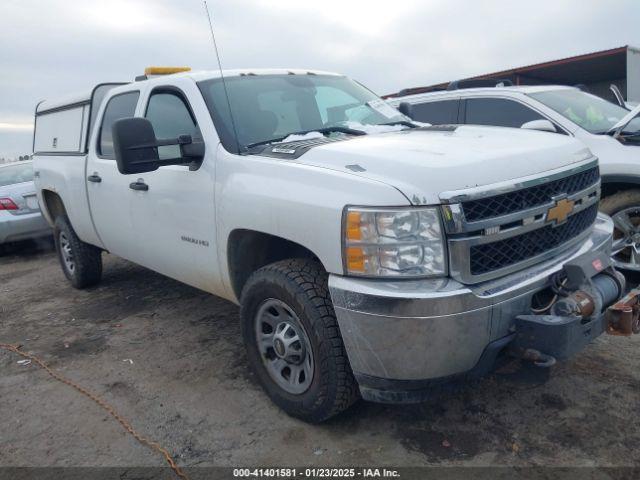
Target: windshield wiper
[(337, 129)]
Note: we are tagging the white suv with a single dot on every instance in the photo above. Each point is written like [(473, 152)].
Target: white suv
[(611, 132)]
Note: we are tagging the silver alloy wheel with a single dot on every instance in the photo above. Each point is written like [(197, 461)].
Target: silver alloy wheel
[(67, 254), (626, 238), (284, 346)]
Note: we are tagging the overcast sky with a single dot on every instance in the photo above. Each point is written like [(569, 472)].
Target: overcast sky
[(50, 48)]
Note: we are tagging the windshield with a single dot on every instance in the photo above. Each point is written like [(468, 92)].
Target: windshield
[(588, 111), (271, 107), (18, 173)]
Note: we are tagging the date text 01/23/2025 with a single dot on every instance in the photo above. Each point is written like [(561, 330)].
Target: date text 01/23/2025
[(315, 473)]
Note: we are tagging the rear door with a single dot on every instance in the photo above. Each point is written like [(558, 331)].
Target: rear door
[(110, 199)]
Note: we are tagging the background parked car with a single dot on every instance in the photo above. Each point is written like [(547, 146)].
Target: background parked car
[(20, 216), (561, 110)]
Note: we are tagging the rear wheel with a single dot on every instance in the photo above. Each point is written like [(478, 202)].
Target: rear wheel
[(624, 209), (80, 262), (293, 341)]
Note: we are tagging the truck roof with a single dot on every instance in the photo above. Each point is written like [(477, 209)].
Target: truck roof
[(85, 96), (205, 75)]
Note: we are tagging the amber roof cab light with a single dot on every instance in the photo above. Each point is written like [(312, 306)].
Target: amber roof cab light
[(165, 70)]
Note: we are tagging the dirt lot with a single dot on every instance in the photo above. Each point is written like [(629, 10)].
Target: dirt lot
[(170, 359)]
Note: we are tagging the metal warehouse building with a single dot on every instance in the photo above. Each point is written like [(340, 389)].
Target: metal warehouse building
[(597, 71)]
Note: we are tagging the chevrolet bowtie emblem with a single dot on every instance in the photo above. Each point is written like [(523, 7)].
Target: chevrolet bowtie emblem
[(560, 211)]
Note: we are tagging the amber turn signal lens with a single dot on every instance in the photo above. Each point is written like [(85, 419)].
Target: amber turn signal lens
[(353, 226), (355, 259)]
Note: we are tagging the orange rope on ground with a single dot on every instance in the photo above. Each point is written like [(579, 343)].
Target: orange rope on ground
[(104, 405)]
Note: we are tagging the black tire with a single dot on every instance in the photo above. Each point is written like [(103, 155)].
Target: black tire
[(302, 285), (87, 259)]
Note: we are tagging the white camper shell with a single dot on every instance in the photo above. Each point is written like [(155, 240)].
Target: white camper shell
[(63, 126)]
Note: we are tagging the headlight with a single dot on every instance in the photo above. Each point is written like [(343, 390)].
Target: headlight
[(393, 242)]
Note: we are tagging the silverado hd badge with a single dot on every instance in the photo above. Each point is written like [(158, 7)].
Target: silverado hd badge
[(195, 241)]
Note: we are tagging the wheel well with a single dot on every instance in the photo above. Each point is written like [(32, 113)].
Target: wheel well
[(53, 204), (249, 250)]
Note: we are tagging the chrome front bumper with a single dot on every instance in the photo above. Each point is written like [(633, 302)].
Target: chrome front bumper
[(419, 330)]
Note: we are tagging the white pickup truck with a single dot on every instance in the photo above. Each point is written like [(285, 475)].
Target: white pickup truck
[(370, 256)]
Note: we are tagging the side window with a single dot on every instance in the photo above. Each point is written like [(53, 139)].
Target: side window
[(170, 118), (436, 113), (120, 106), (499, 112)]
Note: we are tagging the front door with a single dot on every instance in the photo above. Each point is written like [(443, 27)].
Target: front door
[(174, 216)]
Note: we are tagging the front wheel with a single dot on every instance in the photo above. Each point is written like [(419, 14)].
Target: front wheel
[(624, 210), (293, 341)]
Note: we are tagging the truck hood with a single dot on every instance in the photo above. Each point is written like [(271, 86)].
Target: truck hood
[(422, 163)]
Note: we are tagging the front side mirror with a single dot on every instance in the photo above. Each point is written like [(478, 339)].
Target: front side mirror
[(136, 147), (542, 125)]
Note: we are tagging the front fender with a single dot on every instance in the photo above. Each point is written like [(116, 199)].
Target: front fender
[(297, 202)]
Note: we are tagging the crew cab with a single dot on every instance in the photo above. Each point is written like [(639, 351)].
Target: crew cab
[(610, 131), (371, 257)]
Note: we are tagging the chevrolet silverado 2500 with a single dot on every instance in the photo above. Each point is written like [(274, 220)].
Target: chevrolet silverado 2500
[(370, 256)]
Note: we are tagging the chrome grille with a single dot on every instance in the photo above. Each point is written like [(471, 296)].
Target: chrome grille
[(509, 229), (497, 255), (507, 203)]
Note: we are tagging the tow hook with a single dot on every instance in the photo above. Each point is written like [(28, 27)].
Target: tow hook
[(538, 358), (623, 318)]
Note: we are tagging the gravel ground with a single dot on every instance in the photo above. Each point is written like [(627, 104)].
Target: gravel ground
[(170, 359)]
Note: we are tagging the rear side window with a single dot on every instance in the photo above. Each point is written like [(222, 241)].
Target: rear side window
[(499, 112), (436, 113), (120, 106), (171, 117)]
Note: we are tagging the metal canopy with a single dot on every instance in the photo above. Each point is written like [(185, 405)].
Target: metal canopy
[(601, 66)]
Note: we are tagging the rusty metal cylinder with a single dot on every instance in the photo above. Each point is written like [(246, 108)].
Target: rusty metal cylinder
[(603, 291)]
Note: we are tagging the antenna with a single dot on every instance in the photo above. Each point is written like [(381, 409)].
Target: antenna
[(224, 83)]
